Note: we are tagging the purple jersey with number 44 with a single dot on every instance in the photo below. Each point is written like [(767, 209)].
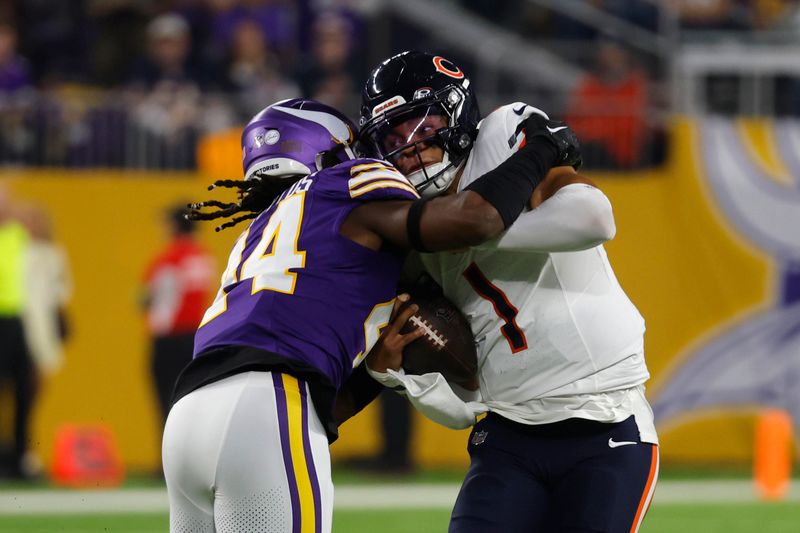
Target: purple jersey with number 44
[(295, 287)]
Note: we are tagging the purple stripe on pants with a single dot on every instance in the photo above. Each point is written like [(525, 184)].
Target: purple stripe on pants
[(312, 471), (283, 423)]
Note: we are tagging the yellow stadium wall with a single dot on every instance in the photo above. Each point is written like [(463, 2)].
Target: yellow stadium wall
[(674, 255)]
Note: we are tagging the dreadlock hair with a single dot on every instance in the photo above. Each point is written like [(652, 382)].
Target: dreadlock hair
[(255, 195)]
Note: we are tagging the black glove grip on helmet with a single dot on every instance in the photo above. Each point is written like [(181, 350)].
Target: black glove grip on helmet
[(562, 137)]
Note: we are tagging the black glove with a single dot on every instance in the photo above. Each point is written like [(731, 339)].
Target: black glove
[(559, 135)]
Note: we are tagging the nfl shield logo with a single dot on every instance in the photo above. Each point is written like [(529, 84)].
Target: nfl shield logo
[(478, 437)]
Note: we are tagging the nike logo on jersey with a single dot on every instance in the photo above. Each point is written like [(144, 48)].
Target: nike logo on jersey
[(520, 110), (553, 130), (616, 444)]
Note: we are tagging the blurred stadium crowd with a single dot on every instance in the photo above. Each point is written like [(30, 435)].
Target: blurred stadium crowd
[(136, 83)]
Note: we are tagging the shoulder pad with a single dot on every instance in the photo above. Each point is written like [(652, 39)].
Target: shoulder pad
[(373, 179), (506, 122)]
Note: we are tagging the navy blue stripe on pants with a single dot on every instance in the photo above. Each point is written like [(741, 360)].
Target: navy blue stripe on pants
[(567, 477)]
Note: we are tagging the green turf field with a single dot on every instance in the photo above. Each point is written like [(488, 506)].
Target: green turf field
[(672, 518), (687, 502)]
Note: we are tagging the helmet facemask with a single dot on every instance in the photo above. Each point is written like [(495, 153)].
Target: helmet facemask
[(402, 134)]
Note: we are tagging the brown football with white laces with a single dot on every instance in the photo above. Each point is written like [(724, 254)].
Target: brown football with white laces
[(447, 346)]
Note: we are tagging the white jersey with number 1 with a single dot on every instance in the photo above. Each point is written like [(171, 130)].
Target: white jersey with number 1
[(557, 336)]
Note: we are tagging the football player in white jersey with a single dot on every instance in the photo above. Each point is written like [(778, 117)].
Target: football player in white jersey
[(569, 442)]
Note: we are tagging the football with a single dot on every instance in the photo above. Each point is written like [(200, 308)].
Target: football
[(447, 346)]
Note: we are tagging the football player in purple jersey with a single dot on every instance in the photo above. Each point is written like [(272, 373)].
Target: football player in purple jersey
[(568, 443), (308, 289)]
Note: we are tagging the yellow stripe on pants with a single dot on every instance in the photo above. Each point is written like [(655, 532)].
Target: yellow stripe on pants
[(294, 408)]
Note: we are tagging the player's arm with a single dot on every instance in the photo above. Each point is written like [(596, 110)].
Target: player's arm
[(488, 206), (356, 392), (360, 389), (447, 223), (556, 179), (569, 213), (443, 223)]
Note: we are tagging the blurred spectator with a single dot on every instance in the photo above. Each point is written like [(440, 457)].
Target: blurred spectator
[(14, 74), (15, 362), (329, 75), (608, 110), (278, 20), (275, 18), (86, 127), (253, 74), (168, 98), (54, 35), (117, 40), (176, 292), (354, 12), (48, 289), (539, 21), (165, 132), (48, 286), (168, 55), (16, 138)]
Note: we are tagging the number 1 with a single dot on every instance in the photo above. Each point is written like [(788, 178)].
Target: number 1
[(488, 291)]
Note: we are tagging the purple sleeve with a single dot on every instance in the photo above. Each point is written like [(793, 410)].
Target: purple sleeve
[(378, 180)]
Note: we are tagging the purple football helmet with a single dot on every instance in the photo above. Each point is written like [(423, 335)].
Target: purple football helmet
[(294, 138)]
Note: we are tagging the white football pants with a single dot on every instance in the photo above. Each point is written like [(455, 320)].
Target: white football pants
[(248, 454)]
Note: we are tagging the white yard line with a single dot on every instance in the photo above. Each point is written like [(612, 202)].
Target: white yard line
[(394, 496)]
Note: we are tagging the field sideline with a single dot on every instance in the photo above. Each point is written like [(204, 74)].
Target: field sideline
[(689, 506), (348, 497)]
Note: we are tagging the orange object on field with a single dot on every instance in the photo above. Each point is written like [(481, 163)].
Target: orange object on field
[(773, 454), (87, 455)]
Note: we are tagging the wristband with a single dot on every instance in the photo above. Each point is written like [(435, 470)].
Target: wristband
[(413, 225), (509, 186)]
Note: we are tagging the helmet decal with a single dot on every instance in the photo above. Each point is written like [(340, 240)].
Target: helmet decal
[(422, 92), (337, 128), (272, 136), (388, 104), (447, 68)]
